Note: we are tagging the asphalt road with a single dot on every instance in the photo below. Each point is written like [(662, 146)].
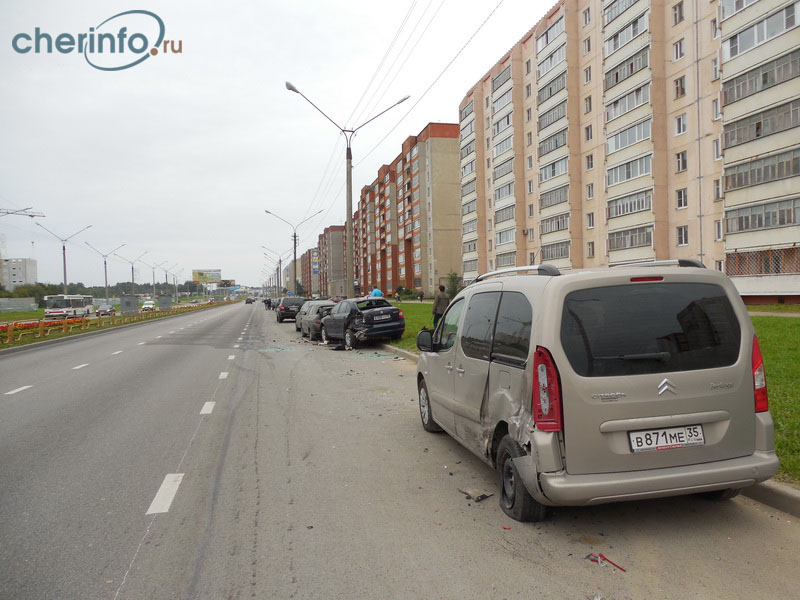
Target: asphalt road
[(308, 477)]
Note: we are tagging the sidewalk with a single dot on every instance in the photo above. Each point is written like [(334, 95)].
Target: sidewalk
[(774, 494)]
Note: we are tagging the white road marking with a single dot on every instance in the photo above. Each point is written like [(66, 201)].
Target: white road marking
[(171, 332), (165, 494), (80, 366), (182, 328), (141, 343), (207, 408), (231, 357), (240, 339), (19, 389), (117, 352), (158, 337), (236, 345), (223, 375)]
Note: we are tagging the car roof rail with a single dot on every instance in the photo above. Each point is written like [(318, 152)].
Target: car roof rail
[(674, 262), (548, 270)]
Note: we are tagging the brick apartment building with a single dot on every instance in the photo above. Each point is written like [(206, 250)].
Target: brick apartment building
[(406, 226)]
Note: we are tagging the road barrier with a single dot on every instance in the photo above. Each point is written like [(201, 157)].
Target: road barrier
[(14, 332)]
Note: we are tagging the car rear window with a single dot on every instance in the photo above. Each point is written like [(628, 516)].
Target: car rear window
[(649, 328), (294, 301), (373, 303)]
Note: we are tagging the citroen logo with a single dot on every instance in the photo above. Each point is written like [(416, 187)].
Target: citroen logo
[(666, 386)]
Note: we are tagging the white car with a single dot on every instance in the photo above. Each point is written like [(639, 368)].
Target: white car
[(148, 306)]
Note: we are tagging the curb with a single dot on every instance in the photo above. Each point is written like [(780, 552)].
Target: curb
[(770, 493), (776, 495)]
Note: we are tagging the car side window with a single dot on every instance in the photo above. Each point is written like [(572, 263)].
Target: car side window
[(476, 337), (446, 333), (512, 335)]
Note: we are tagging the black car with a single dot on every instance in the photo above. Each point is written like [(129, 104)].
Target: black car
[(360, 319), (288, 307), (249, 300)]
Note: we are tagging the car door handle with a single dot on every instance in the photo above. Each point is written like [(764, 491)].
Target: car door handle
[(449, 367), (460, 371)]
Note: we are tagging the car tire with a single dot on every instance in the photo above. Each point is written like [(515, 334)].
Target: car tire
[(296, 326), (323, 335), (303, 332), (397, 336), (425, 413), (350, 339), (515, 500), (719, 495), (280, 319)]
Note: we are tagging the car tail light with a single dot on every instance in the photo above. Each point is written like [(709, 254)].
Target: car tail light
[(546, 401), (640, 279), (759, 379), (401, 315)]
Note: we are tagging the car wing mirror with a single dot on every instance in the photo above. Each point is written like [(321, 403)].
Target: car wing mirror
[(425, 340)]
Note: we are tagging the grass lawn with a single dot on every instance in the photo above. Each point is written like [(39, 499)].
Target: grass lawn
[(8, 317), (776, 308), (778, 339)]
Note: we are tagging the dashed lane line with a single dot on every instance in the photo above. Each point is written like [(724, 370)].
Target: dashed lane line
[(141, 343), (207, 408), (236, 345), (19, 389), (231, 357), (166, 493), (80, 366), (117, 352), (223, 375)]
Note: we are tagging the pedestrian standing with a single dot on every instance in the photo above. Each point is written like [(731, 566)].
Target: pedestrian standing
[(376, 293), (440, 303), (420, 296)]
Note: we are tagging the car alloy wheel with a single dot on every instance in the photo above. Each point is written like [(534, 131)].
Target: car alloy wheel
[(324, 335), (350, 339), (428, 424)]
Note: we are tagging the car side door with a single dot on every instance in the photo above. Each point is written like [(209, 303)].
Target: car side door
[(338, 319)]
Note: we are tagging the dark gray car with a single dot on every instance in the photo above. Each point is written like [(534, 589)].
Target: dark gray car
[(309, 319)]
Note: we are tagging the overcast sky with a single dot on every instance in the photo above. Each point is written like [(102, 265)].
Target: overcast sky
[(179, 156)]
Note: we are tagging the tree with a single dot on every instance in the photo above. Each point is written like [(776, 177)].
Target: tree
[(453, 284)]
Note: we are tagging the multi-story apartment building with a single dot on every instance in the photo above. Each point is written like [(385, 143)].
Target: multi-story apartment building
[(602, 124), (332, 273), (760, 103), (309, 271), (15, 272), (407, 227)]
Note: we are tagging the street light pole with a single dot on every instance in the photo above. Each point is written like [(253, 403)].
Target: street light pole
[(133, 279), (294, 240), (348, 136), (153, 267), (105, 262), (63, 248)]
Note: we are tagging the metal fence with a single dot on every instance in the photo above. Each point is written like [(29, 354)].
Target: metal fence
[(763, 262)]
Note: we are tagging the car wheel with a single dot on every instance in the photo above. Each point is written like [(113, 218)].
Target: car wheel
[(397, 336), (350, 339), (515, 500), (323, 335), (303, 332), (280, 319), (428, 424), (722, 494), (296, 326)]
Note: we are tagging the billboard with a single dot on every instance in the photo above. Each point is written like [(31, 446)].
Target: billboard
[(227, 283), (315, 261), (206, 275)]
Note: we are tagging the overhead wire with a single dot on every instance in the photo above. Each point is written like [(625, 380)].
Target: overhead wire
[(433, 83)]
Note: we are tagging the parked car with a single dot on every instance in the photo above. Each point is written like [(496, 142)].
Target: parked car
[(632, 382), (148, 306), (310, 322), (288, 307), (105, 310), (360, 319)]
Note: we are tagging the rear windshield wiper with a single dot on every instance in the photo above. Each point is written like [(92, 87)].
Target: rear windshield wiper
[(662, 356)]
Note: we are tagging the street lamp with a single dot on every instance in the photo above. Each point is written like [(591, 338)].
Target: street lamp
[(154, 267), (133, 281), (294, 240), (63, 248), (348, 136), (279, 260), (105, 262)]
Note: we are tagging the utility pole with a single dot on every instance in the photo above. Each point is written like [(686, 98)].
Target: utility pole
[(64, 248), (105, 262)]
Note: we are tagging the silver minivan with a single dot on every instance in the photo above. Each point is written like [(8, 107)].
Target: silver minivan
[(587, 387)]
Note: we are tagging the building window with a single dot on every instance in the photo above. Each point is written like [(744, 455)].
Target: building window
[(715, 109), (681, 198), (530, 186), (504, 237), (528, 66), (587, 45), (557, 223), (528, 90), (627, 68), (680, 86), (509, 259), (678, 50), (528, 114), (553, 197), (551, 88), (628, 136), (770, 74), (632, 203), (714, 29), (718, 188), (629, 170), (762, 124), (763, 170), (469, 226), (590, 220), (763, 216), (717, 149), (630, 238), (587, 17), (680, 124), (628, 102), (551, 34), (587, 105), (530, 210), (718, 230), (530, 162), (469, 265), (631, 31), (589, 162), (774, 25), (681, 161), (587, 132), (714, 69), (587, 74), (528, 138), (555, 58), (553, 169), (554, 251), (556, 113), (683, 235), (590, 249), (589, 191), (677, 13)]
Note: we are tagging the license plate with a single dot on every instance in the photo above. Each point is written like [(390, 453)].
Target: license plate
[(666, 439), (381, 317)]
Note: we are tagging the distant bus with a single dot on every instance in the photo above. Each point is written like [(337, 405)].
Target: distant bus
[(68, 305)]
